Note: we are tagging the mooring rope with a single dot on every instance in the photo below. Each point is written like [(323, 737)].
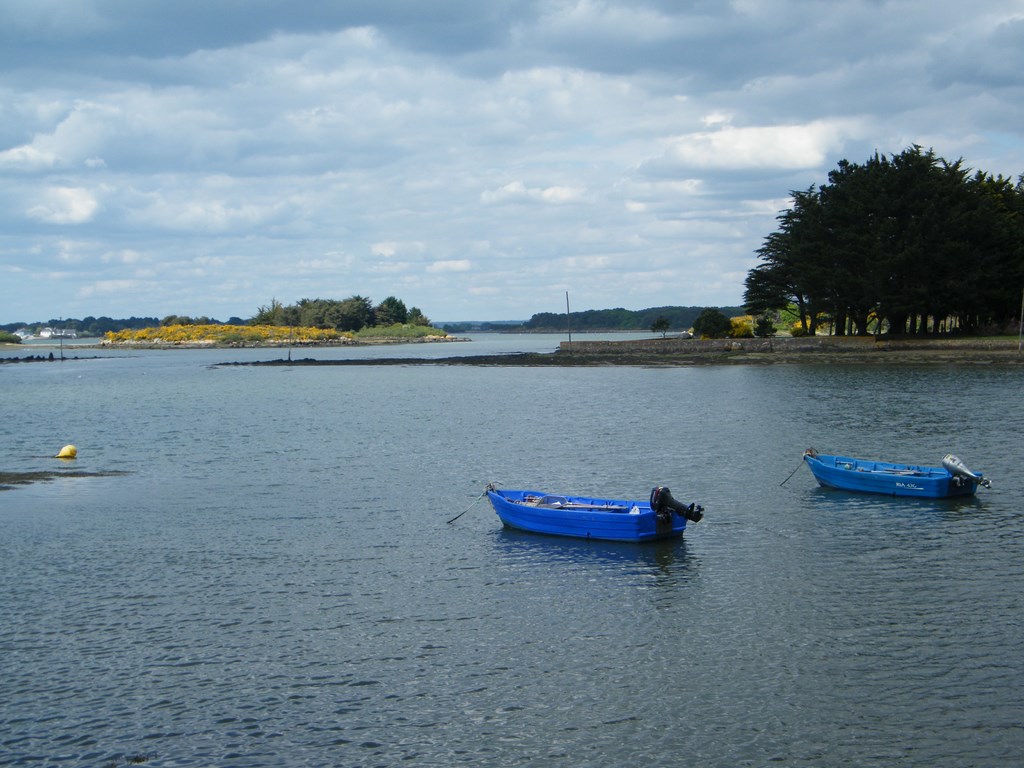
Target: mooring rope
[(482, 495), (792, 473)]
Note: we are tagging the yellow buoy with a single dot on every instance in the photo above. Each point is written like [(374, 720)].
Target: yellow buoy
[(67, 452)]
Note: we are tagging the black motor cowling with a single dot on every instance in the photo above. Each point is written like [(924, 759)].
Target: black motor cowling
[(662, 502)]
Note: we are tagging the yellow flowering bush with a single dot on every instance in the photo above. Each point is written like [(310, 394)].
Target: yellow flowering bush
[(243, 335), (742, 327)]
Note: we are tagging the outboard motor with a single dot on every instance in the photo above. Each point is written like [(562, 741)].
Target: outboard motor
[(662, 502), (959, 470)]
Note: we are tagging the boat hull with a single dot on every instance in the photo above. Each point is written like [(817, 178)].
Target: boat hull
[(585, 517), (850, 474)]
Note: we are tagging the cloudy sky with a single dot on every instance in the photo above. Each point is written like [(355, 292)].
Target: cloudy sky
[(475, 158)]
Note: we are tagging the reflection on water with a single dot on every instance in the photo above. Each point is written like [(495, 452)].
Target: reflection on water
[(536, 550), (841, 502)]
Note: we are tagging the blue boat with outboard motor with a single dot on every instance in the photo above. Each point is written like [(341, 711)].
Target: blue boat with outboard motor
[(953, 478), (660, 517)]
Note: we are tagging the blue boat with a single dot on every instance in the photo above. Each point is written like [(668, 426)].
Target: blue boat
[(953, 478), (660, 517)]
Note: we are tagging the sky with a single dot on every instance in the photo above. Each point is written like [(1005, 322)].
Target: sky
[(477, 159)]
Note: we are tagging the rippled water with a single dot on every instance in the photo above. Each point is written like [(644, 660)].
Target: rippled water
[(272, 580)]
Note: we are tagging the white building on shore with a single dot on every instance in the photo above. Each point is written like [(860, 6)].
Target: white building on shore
[(57, 333)]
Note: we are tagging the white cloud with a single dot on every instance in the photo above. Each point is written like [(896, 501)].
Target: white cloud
[(322, 266), (64, 205), (716, 118), (451, 265), (562, 194), (389, 250), (779, 146), (517, 192), (27, 158), (124, 257), (102, 288)]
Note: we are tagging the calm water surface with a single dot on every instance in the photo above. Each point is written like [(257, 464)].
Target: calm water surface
[(269, 578)]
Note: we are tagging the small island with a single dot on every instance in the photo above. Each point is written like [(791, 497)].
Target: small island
[(308, 322), (263, 335)]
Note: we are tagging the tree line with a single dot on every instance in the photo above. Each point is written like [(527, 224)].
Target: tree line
[(86, 326), (351, 314), (591, 320), (908, 244)]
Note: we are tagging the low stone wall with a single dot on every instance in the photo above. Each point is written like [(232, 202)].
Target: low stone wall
[(834, 344)]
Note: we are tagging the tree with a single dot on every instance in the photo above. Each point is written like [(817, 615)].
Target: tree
[(764, 328), (312, 313), (661, 325), (416, 317), (391, 311), (793, 272), (353, 314), (712, 324), (289, 316), (267, 315)]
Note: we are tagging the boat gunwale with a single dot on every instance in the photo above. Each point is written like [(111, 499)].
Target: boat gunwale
[(880, 467)]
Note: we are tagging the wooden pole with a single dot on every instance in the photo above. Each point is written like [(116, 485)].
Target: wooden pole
[(568, 319), (1020, 333)]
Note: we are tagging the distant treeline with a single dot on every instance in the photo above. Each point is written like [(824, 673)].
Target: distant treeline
[(87, 326), (358, 312), (352, 314), (596, 320)]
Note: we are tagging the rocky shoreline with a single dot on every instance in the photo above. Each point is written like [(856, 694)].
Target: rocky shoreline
[(689, 352), (51, 358)]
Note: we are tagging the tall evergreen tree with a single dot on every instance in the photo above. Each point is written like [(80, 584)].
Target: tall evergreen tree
[(912, 239)]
